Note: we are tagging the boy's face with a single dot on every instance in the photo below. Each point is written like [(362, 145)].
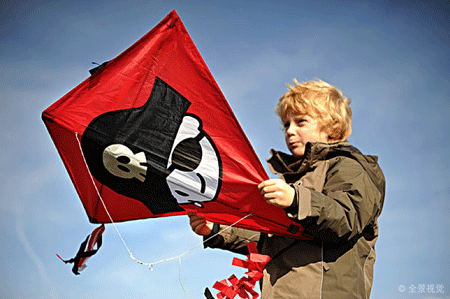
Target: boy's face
[(300, 129)]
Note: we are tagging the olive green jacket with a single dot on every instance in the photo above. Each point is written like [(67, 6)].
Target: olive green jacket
[(339, 196)]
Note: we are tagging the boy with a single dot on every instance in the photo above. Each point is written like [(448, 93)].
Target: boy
[(327, 186)]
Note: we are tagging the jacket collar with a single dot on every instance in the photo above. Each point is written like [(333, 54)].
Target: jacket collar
[(285, 163)]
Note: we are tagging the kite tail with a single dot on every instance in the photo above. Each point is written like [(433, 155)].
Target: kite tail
[(86, 250), (243, 287)]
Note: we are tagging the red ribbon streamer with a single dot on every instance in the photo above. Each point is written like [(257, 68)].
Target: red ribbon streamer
[(243, 287)]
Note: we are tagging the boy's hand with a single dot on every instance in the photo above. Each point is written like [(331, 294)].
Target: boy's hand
[(199, 224), (276, 192)]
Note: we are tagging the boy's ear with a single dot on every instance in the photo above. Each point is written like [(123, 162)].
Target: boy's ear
[(330, 130)]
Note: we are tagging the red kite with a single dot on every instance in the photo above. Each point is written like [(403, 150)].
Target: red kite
[(151, 134)]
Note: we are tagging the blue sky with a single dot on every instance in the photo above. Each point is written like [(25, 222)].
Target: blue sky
[(390, 57)]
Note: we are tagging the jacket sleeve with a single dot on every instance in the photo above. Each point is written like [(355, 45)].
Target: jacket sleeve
[(348, 204), (231, 238)]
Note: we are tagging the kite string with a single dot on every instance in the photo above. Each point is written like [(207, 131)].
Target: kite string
[(201, 243), (103, 203), (150, 265)]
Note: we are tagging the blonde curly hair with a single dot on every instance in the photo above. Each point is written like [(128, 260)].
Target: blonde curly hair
[(320, 100)]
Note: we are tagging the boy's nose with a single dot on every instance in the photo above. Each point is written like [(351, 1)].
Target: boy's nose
[(289, 130)]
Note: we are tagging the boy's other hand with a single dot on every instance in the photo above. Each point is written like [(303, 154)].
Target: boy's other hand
[(199, 224), (276, 192)]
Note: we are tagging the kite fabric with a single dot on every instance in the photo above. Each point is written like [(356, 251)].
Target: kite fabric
[(86, 250), (150, 134)]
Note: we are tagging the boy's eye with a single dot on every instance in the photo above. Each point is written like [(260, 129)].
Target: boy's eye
[(301, 121)]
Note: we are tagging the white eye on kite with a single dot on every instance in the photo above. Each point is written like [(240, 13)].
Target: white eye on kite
[(194, 166)]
